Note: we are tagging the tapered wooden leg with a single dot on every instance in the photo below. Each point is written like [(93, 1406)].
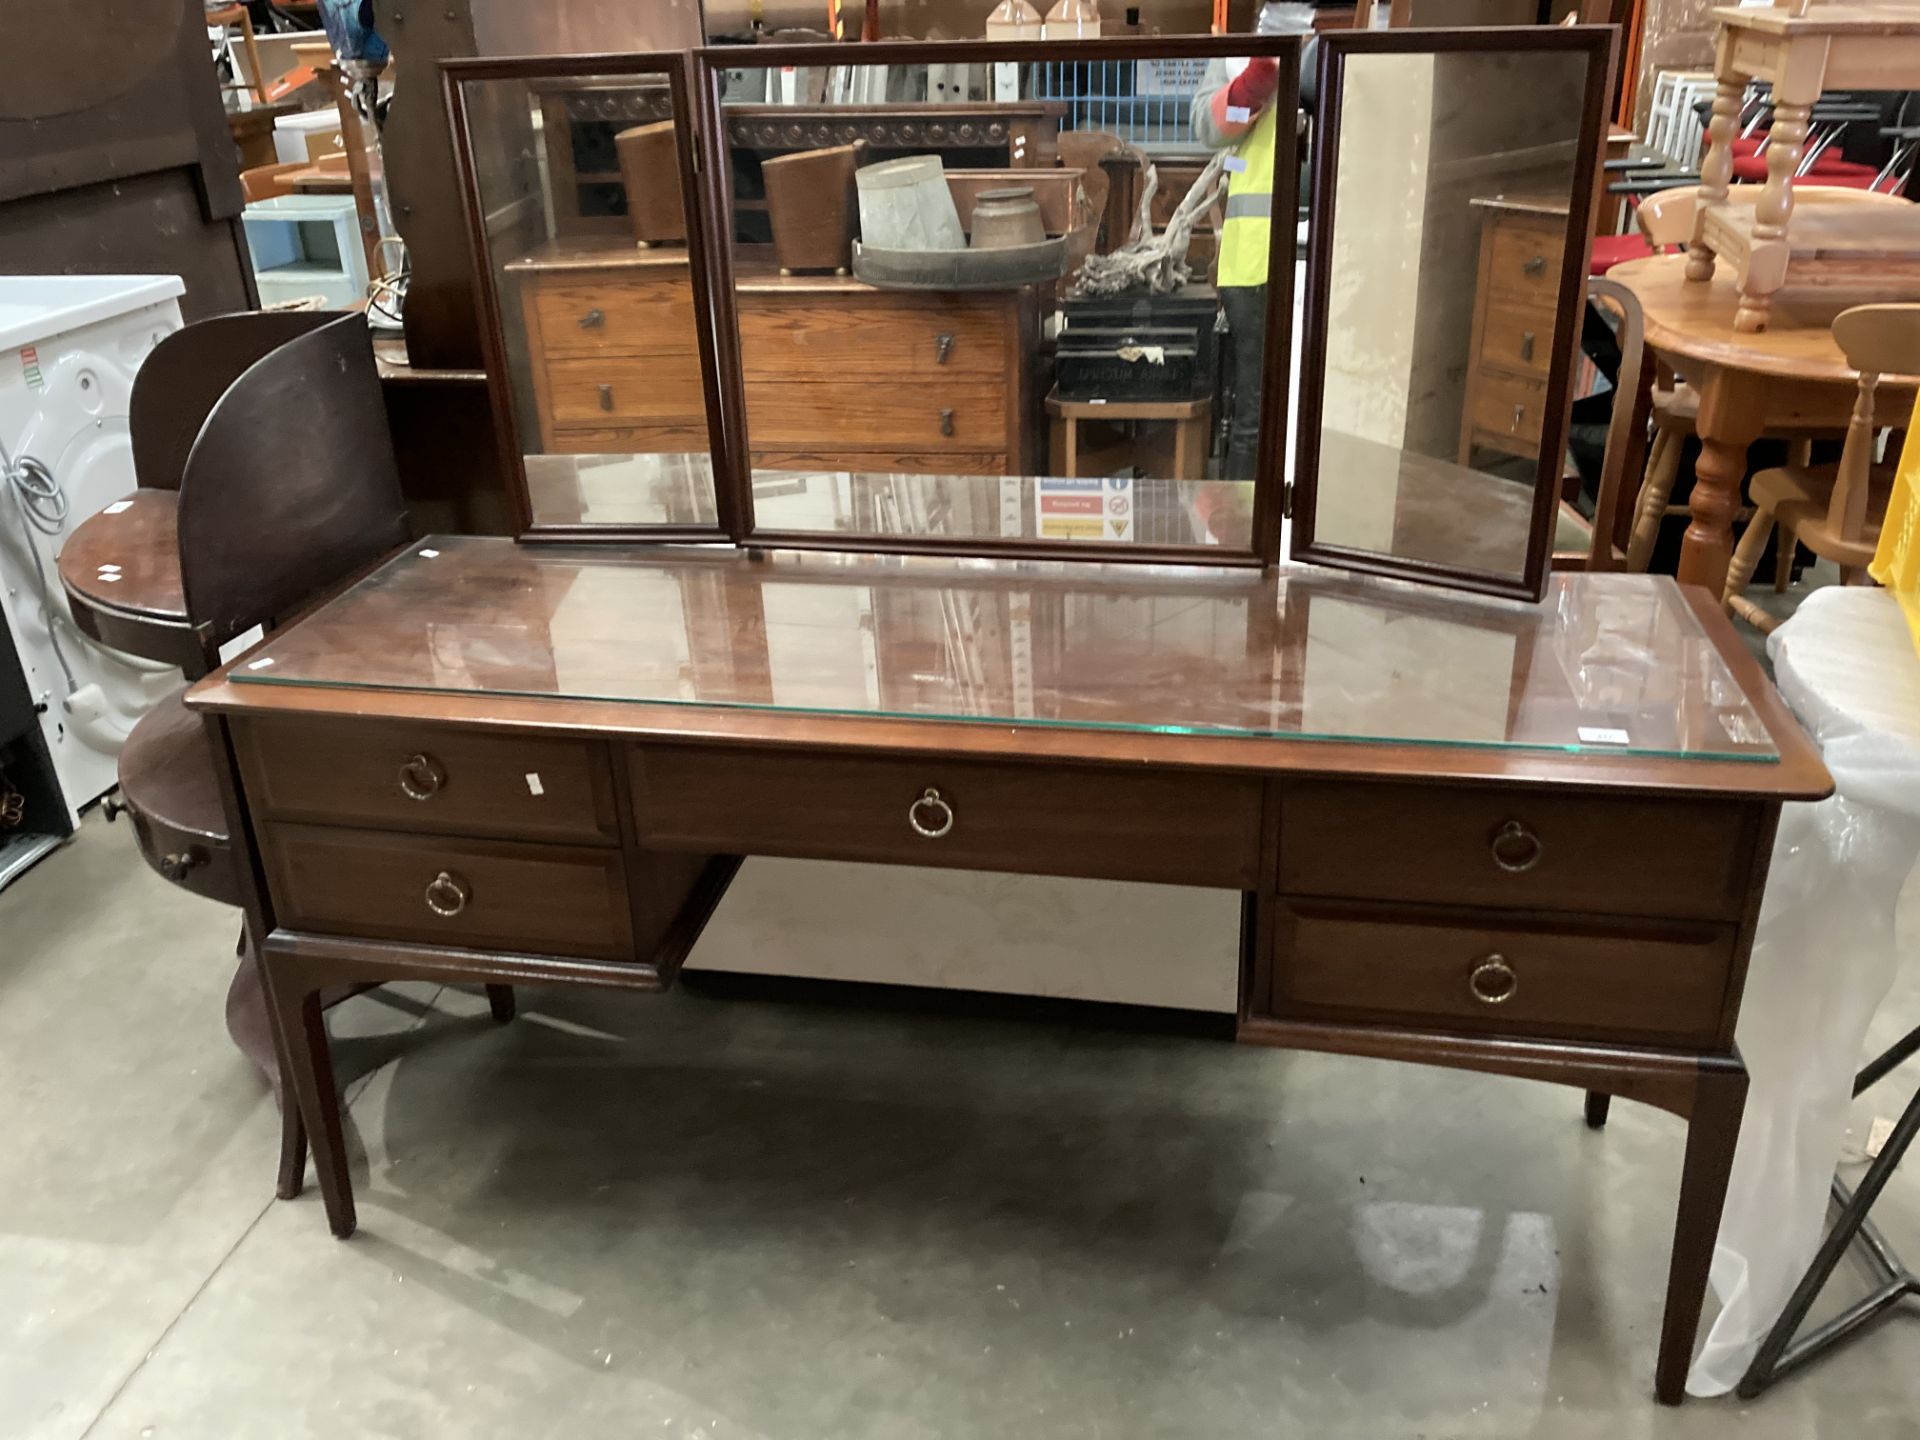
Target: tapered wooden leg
[(293, 1150), (1597, 1107), (1747, 557), (1656, 489), (500, 1001), (1712, 1130), (310, 1068)]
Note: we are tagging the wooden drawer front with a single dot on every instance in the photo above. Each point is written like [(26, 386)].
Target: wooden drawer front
[(505, 895), (687, 435), (1509, 406), (1182, 829), (361, 774), (1525, 260), (612, 389), (882, 462), (1518, 338), (601, 313), (1572, 852), (828, 338), (838, 416), (1445, 970)]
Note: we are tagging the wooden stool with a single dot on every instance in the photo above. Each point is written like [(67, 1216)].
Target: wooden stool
[(1191, 421)]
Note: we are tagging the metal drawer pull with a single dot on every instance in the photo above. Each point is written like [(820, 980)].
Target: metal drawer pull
[(421, 777), (1526, 345), (593, 319), (1515, 848), (1536, 266), (1519, 414), (937, 809), (447, 894), (606, 397), (942, 348), (1493, 981), (946, 422)]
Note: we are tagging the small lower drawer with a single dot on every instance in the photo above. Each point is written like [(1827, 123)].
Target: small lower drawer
[(479, 894), (836, 416), (1440, 969), (966, 815), (1509, 407)]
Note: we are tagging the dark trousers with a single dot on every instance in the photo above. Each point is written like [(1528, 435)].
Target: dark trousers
[(1246, 309)]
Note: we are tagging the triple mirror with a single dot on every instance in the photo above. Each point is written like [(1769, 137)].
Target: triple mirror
[(1039, 298)]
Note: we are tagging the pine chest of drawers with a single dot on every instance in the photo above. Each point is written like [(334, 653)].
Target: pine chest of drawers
[(1514, 313), (613, 361)]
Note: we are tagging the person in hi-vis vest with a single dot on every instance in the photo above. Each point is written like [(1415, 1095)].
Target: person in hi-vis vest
[(1234, 111)]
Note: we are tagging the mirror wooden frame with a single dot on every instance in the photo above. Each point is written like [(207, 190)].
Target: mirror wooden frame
[(1596, 42), (673, 66), (711, 62)]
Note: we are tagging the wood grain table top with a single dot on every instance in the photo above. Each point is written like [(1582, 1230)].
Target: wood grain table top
[(1694, 320)]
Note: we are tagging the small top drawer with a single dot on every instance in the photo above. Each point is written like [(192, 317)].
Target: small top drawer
[(964, 815), (421, 778), (1525, 259), (603, 312), (1516, 849)]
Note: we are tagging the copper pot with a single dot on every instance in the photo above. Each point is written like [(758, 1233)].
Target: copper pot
[(1005, 218), (650, 174), (814, 207)]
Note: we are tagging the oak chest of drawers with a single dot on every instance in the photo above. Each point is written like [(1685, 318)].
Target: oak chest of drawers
[(614, 365), (1522, 244)]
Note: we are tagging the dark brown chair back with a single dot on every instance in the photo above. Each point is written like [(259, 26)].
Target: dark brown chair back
[(291, 485), (187, 373)]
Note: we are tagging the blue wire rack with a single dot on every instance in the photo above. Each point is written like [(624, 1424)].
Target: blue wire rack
[(1145, 102)]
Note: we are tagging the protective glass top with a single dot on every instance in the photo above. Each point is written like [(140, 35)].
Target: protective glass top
[(1608, 664)]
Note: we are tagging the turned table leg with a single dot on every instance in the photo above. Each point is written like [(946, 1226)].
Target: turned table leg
[(1719, 1094), (1732, 412), (1716, 171), (1766, 267)]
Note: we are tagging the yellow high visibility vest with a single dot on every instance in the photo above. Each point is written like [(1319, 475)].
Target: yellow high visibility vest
[(1247, 231)]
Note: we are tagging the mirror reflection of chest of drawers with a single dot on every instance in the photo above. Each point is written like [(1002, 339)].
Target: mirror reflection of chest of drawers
[(839, 374), (1522, 243)]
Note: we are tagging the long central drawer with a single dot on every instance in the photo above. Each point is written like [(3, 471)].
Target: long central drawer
[(1120, 825)]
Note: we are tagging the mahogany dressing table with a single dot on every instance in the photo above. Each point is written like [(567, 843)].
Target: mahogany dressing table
[(1522, 839)]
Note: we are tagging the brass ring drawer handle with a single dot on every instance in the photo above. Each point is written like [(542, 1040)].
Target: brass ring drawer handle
[(421, 777), (447, 894), (938, 815), (1493, 981), (1515, 848)]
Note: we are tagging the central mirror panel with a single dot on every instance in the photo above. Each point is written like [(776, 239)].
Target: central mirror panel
[(937, 339)]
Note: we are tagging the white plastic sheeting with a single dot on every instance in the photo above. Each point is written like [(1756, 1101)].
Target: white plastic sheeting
[(1823, 957)]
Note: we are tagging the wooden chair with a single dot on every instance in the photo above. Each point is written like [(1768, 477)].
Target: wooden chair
[(1666, 219), (1607, 532), (1834, 510), (272, 428)]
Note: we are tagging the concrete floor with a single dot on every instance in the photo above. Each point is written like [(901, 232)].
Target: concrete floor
[(695, 1217)]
